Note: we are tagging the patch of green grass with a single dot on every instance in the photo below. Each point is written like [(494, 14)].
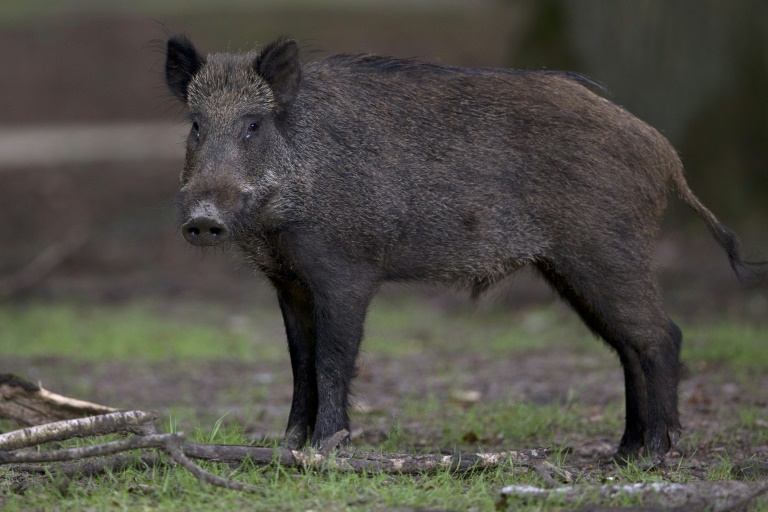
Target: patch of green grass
[(754, 419), (738, 345), (723, 470), (638, 471), (94, 333), (141, 332), (519, 424), (500, 424), (405, 326)]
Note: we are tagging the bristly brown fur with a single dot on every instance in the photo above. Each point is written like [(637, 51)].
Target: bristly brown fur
[(335, 176)]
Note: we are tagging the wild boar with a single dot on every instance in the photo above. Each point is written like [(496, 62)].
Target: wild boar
[(335, 176)]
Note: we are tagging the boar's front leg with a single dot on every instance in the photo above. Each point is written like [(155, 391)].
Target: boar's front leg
[(324, 308), (339, 314), (296, 307)]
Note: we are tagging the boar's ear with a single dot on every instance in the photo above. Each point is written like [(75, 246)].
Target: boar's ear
[(279, 64), (182, 62)]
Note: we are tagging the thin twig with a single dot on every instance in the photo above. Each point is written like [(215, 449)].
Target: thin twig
[(334, 442), (172, 447), (84, 452), (92, 467)]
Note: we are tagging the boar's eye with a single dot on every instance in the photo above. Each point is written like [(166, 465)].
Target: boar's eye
[(196, 129), (251, 129)]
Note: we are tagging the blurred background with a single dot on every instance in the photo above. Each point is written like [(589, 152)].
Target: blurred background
[(91, 143)]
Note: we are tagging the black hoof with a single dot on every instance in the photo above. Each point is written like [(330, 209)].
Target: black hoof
[(294, 440)]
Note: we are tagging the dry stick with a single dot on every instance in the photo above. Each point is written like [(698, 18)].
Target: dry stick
[(550, 469), (172, 446), (543, 472), (168, 442), (742, 503), (131, 443), (373, 463), (719, 496), (93, 467), (336, 439), (238, 453), (413, 464), (124, 421)]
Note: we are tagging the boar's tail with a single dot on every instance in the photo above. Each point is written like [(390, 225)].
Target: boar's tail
[(749, 273)]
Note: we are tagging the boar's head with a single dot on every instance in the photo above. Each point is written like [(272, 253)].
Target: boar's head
[(237, 105)]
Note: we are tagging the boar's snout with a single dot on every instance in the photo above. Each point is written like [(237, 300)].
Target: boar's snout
[(204, 231), (204, 226)]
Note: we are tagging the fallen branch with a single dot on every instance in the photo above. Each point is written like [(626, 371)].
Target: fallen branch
[(30, 404), (126, 421), (178, 456), (376, 462), (140, 422), (168, 442), (84, 452), (93, 467), (741, 504), (16, 395), (720, 496)]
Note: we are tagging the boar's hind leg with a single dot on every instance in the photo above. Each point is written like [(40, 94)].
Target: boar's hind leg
[(623, 306), (296, 306)]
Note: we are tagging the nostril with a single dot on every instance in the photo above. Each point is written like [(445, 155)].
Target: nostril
[(205, 231)]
